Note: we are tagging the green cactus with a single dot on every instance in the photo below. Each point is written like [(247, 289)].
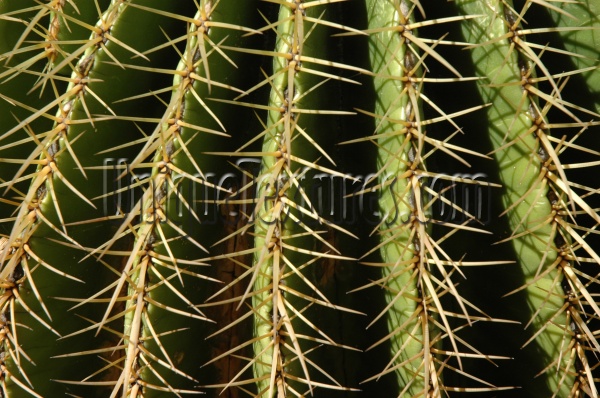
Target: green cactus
[(288, 198)]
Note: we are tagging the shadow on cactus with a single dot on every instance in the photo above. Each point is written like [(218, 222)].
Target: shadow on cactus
[(292, 198)]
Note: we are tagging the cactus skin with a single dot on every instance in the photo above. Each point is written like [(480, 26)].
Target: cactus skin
[(520, 175), (255, 310), (286, 242), (537, 195), (400, 152), (44, 213)]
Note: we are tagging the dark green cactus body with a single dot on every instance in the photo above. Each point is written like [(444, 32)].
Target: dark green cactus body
[(176, 180), (61, 194), (294, 259), (180, 217), (16, 93)]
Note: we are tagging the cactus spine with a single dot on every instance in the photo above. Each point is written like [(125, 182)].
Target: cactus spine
[(170, 219)]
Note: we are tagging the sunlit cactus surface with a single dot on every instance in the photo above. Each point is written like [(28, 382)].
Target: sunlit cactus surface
[(294, 198)]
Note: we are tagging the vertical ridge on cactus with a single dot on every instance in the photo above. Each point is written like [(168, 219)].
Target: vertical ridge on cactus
[(539, 198), (417, 270), (276, 198)]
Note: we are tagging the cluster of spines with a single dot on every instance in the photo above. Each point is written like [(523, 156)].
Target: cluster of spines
[(159, 275), (543, 207), (415, 269), (46, 216), (287, 336), (39, 215), (277, 286), (574, 372)]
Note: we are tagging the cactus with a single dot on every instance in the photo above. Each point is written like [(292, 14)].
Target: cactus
[(293, 198)]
